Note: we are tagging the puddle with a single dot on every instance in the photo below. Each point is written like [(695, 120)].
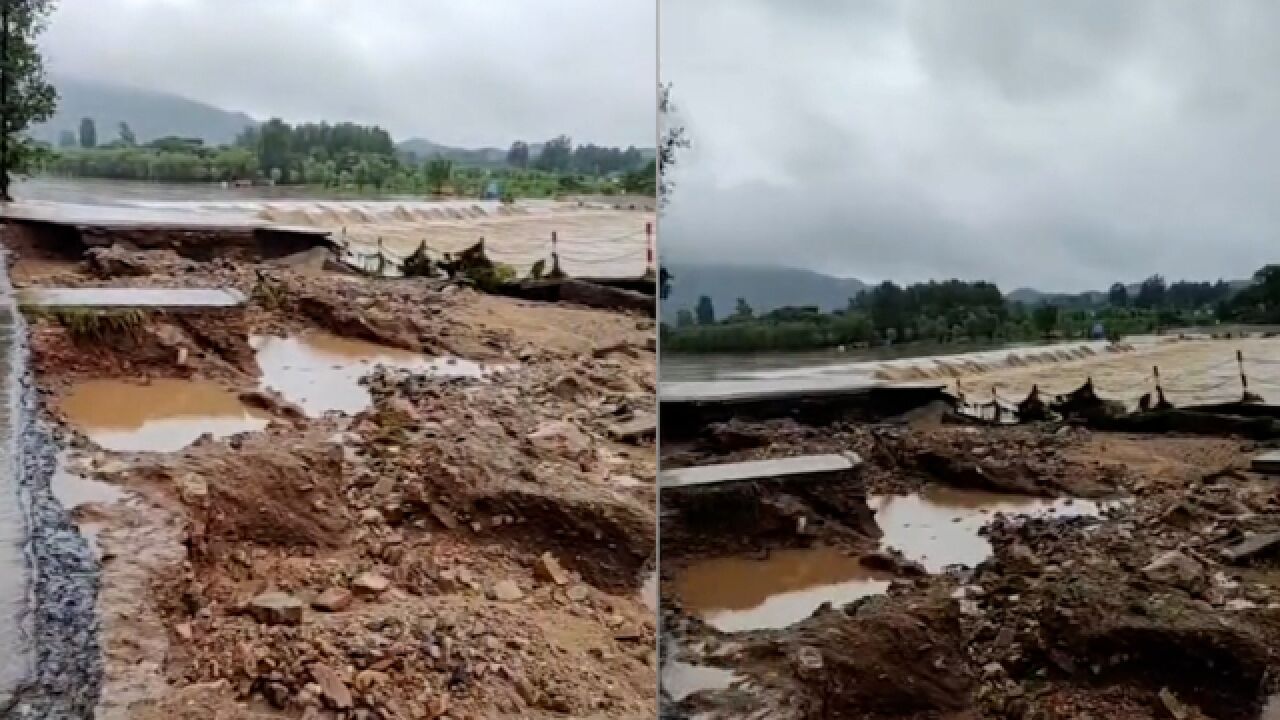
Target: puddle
[(164, 415), (73, 490), (682, 679), (739, 593), (939, 526), (1271, 711), (321, 372)]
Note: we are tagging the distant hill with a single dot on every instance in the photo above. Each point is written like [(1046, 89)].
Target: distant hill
[(764, 288), (150, 114), (1031, 296), (421, 148)]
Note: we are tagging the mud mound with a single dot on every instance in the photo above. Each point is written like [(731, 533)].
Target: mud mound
[(331, 313), (873, 657), (107, 344), (263, 493)]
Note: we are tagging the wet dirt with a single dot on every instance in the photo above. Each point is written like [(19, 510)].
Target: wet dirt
[(1099, 609), (162, 415), (322, 372), (492, 535)]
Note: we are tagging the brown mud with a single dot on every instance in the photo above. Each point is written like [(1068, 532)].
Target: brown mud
[(449, 544), (1113, 576)]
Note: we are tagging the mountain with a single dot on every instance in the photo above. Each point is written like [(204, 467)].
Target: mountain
[(421, 148), (764, 288), (150, 114)]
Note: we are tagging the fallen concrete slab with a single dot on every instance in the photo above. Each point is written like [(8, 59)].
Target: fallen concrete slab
[(1251, 547), (131, 298), (1267, 463), (835, 466)]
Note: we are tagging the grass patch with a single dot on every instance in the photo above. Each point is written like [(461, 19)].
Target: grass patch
[(87, 325)]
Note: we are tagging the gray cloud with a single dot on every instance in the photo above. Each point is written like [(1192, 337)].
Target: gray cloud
[(1060, 145), (465, 73)]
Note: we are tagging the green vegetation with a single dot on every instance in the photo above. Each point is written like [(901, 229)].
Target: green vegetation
[(349, 157), (26, 97), (957, 311), (94, 326)]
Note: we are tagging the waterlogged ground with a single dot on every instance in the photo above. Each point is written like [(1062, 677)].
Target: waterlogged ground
[(428, 516), (973, 572)]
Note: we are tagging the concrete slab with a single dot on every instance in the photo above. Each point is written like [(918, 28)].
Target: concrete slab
[(804, 467), (131, 298), (1267, 463)]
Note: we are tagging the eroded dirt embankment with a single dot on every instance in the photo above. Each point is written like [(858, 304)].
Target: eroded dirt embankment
[(469, 543), (1161, 603)]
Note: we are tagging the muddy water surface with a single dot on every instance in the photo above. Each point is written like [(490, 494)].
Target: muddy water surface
[(321, 372), (742, 593), (937, 527), (164, 415), (940, 526), (682, 679)]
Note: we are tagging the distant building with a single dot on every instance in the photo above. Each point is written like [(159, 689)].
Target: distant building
[(492, 191), (1099, 332)]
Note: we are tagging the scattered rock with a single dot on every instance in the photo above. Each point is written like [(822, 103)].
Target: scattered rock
[(506, 591), (1175, 568), (548, 568), (276, 608), (642, 427), (370, 583), (334, 599), (332, 686)]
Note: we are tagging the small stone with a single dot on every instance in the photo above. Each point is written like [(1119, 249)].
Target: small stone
[(548, 568), (506, 591), (370, 583), (183, 631), (331, 686), (276, 608), (335, 599), (372, 516), (1175, 568), (577, 593), (444, 516)]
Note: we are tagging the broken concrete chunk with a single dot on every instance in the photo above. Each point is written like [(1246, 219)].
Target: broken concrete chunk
[(276, 608), (638, 429), (1251, 547), (370, 583)]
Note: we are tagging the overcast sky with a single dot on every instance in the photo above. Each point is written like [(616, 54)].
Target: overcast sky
[(1062, 145), (454, 71)]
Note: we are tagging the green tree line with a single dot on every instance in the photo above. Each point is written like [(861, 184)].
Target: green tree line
[(955, 311), (338, 156)]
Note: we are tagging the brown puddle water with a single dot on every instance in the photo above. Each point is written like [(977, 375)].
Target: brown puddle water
[(939, 526), (741, 593), (163, 415), (321, 372)]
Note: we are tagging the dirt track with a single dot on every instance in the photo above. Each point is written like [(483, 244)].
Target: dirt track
[(461, 548)]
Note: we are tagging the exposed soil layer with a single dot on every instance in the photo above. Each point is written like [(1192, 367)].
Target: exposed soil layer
[(1163, 606), (463, 548)]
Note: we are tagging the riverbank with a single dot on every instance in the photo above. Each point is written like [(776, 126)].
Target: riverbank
[(1036, 571), (282, 530)]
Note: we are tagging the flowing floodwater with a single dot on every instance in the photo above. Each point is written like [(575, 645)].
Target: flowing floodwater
[(938, 527), (682, 679), (1193, 370), (592, 239), (162, 415), (742, 593), (321, 372)]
